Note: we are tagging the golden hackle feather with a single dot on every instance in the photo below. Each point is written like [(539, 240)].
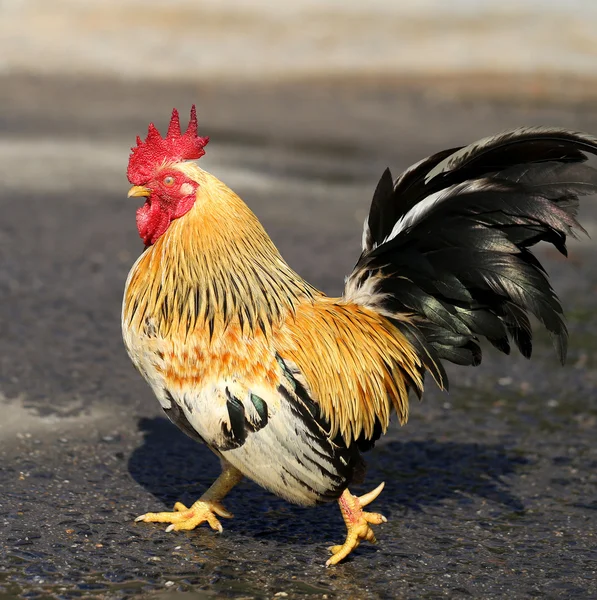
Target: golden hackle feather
[(355, 361), (214, 265), (215, 286)]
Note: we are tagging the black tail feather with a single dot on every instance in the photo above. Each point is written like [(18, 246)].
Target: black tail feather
[(449, 243)]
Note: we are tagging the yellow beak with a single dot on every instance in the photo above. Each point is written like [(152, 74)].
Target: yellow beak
[(138, 190)]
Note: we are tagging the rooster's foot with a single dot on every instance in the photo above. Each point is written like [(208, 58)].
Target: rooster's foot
[(357, 522), (184, 519)]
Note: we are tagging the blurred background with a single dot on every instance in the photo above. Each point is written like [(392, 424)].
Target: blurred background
[(543, 40), (306, 102)]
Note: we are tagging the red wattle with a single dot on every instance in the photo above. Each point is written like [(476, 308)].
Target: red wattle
[(152, 221)]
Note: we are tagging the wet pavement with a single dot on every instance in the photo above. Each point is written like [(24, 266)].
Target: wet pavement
[(490, 491)]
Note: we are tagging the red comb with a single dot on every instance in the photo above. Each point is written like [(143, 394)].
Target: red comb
[(176, 146)]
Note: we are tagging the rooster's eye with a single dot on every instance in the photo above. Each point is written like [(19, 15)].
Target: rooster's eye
[(169, 180)]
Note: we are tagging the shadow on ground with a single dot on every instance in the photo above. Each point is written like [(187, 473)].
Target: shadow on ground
[(418, 474)]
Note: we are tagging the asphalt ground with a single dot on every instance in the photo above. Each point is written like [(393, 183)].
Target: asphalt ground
[(490, 490)]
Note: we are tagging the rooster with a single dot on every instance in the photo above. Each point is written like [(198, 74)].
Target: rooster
[(288, 386)]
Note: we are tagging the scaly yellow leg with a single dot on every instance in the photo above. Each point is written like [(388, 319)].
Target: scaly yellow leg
[(357, 523), (205, 509)]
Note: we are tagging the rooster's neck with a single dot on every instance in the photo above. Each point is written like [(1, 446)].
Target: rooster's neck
[(215, 266)]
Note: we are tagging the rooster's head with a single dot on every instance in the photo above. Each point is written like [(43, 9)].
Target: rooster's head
[(154, 174)]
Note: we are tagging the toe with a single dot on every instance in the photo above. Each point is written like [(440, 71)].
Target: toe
[(370, 536), (161, 517), (342, 553), (217, 508), (194, 518), (374, 518), (185, 525), (213, 522)]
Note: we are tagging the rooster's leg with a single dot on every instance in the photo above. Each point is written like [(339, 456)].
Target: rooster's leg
[(205, 509), (357, 522)]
